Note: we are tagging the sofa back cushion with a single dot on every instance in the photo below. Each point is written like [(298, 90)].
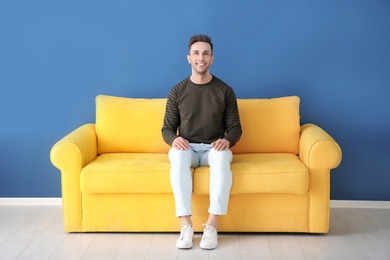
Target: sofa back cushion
[(130, 125), (269, 125), (134, 125)]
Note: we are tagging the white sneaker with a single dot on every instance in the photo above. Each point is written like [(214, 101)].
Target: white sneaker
[(186, 239), (209, 238)]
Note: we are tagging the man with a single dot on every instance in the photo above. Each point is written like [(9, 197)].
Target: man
[(201, 123)]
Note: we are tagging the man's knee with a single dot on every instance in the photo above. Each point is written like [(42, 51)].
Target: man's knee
[(224, 157), (179, 156)]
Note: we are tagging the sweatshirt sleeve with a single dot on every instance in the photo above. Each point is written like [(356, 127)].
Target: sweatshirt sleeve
[(171, 119), (232, 119)]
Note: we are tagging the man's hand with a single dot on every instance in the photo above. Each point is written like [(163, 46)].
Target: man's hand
[(221, 145), (180, 143)]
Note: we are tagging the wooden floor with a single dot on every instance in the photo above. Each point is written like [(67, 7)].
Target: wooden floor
[(36, 232)]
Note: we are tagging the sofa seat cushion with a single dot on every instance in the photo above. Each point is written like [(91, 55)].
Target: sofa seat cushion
[(261, 173), (127, 173)]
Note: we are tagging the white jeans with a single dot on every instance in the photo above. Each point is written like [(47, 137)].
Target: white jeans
[(220, 177)]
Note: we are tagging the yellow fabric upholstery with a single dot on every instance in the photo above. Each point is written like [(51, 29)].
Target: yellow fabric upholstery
[(129, 125), (70, 154), (115, 173), (260, 173), (324, 153), (127, 173), (269, 125)]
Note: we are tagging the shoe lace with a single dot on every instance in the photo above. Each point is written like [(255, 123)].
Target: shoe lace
[(185, 231), (208, 232)]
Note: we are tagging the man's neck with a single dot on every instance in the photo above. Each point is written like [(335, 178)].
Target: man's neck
[(201, 79)]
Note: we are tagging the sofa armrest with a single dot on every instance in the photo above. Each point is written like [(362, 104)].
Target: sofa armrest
[(80, 144), (317, 149), (70, 155)]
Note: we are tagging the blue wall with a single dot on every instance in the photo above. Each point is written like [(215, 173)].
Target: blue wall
[(56, 56)]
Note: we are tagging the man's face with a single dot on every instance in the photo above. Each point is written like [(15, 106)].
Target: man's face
[(200, 57)]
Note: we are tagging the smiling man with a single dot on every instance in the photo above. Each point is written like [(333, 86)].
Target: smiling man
[(201, 123)]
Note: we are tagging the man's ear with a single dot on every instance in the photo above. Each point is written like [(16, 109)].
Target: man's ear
[(188, 59)]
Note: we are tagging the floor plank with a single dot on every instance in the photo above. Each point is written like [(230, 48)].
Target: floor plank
[(36, 232), (134, 246), (228, 247), (17, 218), (104, 246), (6, 211), (255, 246), (28, 232), (342, 240), (285, 246), (74, 246), (315, 246), (46, 244), (380, 219), (161, 247), (364, 233)]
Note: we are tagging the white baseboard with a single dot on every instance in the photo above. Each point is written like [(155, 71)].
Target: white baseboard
[(30, 201), (360, 204), (58, 202)]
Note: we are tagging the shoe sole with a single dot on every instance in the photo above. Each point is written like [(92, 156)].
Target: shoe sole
[(184, 247), (187, 247), (208, 248)]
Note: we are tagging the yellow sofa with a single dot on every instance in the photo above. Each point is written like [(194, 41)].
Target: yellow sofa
[(115, 173)]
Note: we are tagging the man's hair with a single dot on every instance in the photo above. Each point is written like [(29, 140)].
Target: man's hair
[(200, 38)]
